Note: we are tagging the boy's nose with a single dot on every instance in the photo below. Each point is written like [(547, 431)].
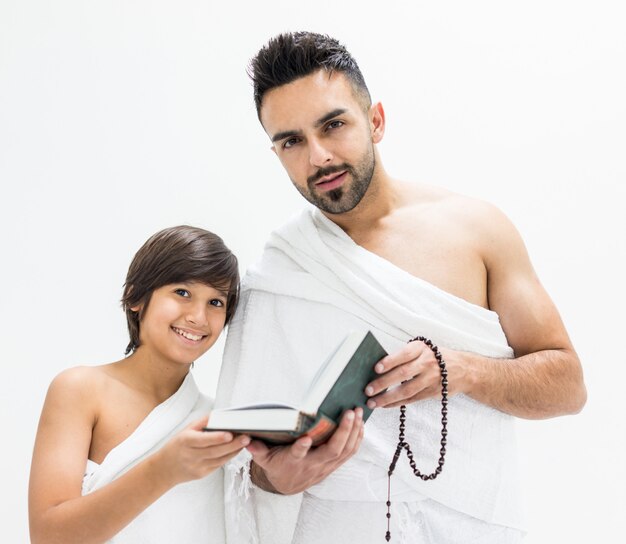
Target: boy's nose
[(198, 315)]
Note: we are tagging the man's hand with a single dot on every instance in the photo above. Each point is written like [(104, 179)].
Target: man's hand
[(292, 469), (413, 374)]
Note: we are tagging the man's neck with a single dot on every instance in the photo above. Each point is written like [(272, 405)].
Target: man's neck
[(383, 197)]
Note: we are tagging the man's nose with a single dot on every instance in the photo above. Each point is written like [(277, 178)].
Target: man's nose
[(319, 154)]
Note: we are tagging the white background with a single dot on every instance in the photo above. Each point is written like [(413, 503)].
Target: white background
[(120, 118)]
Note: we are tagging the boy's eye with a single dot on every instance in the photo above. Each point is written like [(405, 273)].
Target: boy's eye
[(182, 293), (217, 303)]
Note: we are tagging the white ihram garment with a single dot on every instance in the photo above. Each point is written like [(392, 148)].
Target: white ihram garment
[(313, 285), (191, 512)]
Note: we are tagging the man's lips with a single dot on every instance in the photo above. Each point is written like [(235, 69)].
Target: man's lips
[(332, 181)]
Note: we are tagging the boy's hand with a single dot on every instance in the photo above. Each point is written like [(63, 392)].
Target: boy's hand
[(292, 469), (194, 453)]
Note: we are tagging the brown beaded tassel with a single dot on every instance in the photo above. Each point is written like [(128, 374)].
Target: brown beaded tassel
[(404, 445)]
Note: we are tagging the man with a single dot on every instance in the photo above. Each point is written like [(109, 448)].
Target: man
[(402, 259)]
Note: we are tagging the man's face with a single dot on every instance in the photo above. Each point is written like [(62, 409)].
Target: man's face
[(323, 138)]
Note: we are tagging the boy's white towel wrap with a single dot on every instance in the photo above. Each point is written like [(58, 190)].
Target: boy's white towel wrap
[(189, 513)]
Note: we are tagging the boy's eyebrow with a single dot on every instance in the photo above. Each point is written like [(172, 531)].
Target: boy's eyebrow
[(325, 118)]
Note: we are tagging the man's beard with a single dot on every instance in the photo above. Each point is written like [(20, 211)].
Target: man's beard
[(344, 198)]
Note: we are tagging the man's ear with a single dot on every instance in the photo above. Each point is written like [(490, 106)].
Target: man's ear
[(377, 122)]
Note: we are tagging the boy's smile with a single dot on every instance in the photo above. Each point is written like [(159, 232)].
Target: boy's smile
[(188, 335)]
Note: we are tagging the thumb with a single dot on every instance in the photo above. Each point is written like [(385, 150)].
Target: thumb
[(199, 424), (301, 447), (260, 452)]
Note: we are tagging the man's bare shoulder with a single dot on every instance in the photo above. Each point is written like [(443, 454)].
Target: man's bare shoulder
[(453, 204), (477, 222), (459, 209)]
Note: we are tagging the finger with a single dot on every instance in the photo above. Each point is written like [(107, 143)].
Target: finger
[(399, 395), (218, 450), (410, 351), (333, 448), (360, 437), (300, 448), (425, 363), (420, 388), (393, 377), (353, 442), (260, 452), (199, 424), (205, 439)]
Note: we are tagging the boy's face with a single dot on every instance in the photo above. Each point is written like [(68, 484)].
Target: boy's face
[(182, 321), (324, 136)]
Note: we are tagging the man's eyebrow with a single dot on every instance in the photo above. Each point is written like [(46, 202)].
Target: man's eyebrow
[(290, 133), (285, 134), (330, 115)]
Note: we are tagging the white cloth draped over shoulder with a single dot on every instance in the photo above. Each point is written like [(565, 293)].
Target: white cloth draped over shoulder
[(313, 285), (189, 513)]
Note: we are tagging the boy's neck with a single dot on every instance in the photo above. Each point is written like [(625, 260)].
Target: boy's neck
[(152, 376)]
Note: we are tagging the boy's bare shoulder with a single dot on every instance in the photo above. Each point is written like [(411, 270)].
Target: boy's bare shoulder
[(80, 383), (80, 376)]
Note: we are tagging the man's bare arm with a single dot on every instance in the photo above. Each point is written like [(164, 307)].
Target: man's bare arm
[(545, 377)]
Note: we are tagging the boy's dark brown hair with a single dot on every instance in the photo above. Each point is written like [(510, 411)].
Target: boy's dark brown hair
[(176, 255), (293, 55)]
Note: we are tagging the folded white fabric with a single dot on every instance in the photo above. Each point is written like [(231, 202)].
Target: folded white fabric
[(191, 512), (312, 286)]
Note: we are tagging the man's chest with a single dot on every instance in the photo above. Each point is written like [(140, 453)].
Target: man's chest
[(447, 260)]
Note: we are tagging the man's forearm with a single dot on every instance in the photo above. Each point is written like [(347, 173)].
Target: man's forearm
[(539, 385)]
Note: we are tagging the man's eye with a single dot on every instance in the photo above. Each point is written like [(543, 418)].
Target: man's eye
[(183, 293), (217, 302), (335, 124), (290, 143)]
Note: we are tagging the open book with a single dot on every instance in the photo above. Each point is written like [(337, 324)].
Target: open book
[(338, 386)]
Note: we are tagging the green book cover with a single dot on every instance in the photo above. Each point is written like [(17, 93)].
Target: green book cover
[(347, 392)]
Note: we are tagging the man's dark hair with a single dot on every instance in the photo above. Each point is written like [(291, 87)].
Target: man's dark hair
[(293, 55), (177, 255)]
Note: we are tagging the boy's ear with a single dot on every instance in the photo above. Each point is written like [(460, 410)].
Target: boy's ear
[(137, 307)]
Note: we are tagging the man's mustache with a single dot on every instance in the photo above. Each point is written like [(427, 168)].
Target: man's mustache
[(327, 171)]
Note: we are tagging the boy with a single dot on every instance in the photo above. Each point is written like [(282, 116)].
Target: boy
[(120, 454)]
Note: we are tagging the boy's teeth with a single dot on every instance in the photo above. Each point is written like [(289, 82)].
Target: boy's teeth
[(187, 335)]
